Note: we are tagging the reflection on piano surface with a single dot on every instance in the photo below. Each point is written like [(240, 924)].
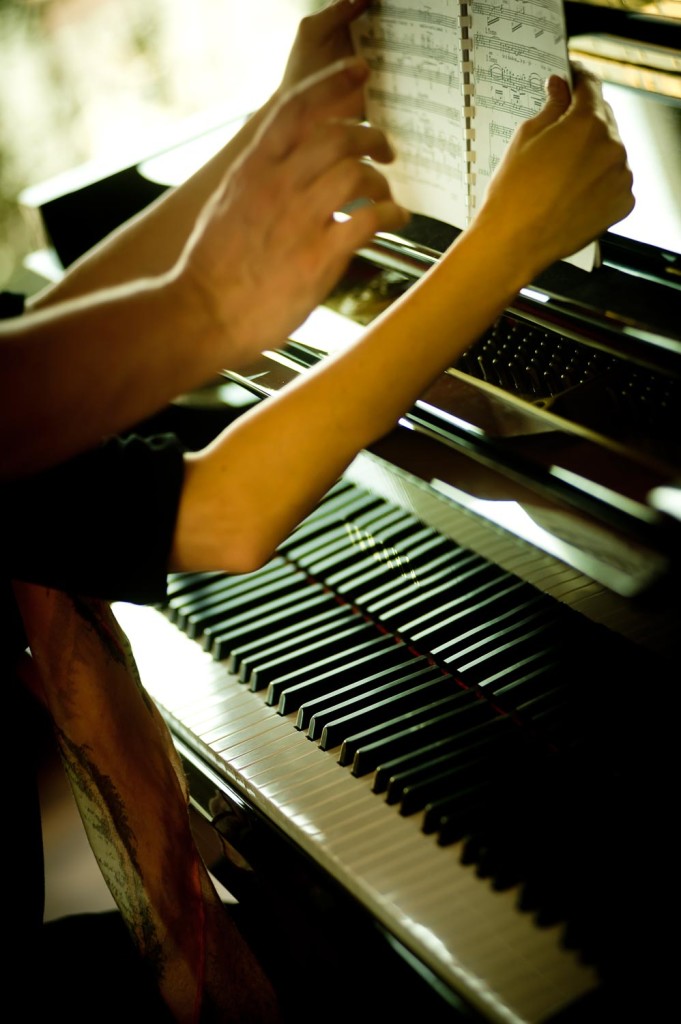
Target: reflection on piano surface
[(437, 725)]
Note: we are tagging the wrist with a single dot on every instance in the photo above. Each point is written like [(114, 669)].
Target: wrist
[(510, 256)]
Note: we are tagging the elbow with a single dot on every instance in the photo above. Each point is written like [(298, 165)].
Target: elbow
[(245, 557), (209, 549)]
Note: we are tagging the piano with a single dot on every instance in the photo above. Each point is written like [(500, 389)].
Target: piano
[(431, 744)]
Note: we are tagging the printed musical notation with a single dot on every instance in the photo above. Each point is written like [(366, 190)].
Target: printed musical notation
[(416, 95), (451, 80)]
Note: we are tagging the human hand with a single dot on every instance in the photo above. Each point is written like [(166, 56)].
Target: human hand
[(321, 39), (267, 248), (564, 178)]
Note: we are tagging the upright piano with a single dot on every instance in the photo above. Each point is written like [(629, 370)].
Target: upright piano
[(431, 744)]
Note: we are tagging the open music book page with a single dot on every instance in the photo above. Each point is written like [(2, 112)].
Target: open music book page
[(451, 80)]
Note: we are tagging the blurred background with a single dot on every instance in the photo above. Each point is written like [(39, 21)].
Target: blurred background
[(111, 81)]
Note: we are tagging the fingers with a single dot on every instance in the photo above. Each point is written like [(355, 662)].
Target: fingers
[(277, 206), (564, 178), (557, 95), (335, 92), (320, 28), (321, 39), (308, 148), (347, 236), (586, 96), (339, 13), (555, 106), (589, 97), (603, 138), (337, 144), (344, 185), (330, 82)]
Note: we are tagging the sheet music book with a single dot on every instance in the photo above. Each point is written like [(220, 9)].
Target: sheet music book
[(451, 80)]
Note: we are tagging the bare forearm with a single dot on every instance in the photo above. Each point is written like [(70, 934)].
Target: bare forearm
[(264, 251), (92, 367), (326, 416), (563, 180), (151, 242)]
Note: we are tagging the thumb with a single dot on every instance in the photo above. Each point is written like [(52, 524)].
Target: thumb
[(558, 100)]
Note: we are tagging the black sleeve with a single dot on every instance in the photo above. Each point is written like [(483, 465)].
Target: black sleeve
[(100, 524), (11, 304)]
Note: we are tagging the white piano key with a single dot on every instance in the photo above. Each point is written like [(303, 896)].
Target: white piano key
[(235, 727), (255, 735), (474, 938)]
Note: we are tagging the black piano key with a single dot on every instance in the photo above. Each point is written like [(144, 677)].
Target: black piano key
[(541, 709), (350, 699), (512, 647), (222, 589), (497, 634), (309, 618), (345, 557), (477, 615), (490, 739), (368, 663), (328, 648), (422, 727), (403, 704), (334, 540), (365, 750), (464, 616), (238, 593), (327, 517), (259, 601), (505, 872), (184, 582), (540, 673), (526, 772), (509, 850), (467, 585), (223, 637), (405, 533), (453, 581), (217, 584), (518, 838), (472, 763), (443, 784), (441, 561), (455, 816), (412, 759), (390, 677), (553, 716), (410, 555), (373, 655), (320, 668), (341, 537)]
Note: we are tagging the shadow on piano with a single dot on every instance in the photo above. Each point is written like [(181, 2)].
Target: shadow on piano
[(434, 736)]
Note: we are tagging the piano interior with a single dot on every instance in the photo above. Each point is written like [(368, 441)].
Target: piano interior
[(434, 735)]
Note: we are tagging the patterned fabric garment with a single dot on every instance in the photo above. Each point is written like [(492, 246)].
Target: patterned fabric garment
[(131, 793)]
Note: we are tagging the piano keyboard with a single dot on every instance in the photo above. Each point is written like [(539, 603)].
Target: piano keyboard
[(433, 731)]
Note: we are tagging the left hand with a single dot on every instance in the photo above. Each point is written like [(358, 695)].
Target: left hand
[(563, 180), (321, 39)]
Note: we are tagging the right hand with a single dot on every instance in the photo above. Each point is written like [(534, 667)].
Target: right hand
[(564, 178), (266, 249)]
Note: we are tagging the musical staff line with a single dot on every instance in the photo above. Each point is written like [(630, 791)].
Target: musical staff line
[(451, 81)]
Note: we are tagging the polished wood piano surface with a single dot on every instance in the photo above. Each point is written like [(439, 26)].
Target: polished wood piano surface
[(437, 729)]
